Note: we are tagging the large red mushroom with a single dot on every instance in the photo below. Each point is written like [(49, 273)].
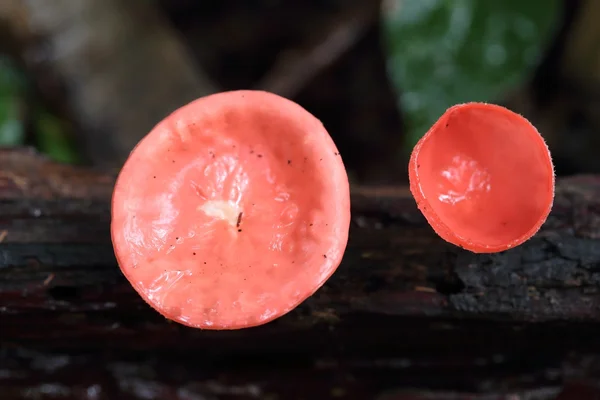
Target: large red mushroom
[(231, 211)]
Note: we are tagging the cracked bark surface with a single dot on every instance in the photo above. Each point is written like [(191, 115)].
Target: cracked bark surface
[(405, 309)]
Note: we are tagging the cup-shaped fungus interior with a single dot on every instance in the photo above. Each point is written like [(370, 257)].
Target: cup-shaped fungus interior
[(486, 174)]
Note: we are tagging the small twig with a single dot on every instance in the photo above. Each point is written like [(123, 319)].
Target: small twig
[(425, 289), (48, 279), (295, 69)]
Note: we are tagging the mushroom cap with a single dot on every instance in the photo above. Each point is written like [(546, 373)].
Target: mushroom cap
[(231, 211), (483, 177)]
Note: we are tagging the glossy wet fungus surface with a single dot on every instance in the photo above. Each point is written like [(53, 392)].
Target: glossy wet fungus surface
[(231, 211), (483, 177)]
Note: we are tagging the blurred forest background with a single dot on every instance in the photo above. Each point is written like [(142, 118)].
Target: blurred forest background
[(84, 80)]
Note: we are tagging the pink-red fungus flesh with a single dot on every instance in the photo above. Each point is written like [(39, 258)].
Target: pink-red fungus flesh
[(231, 211), (483, 177)]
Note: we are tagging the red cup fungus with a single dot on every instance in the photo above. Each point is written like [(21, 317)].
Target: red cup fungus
[(483, 177), (231, 211)]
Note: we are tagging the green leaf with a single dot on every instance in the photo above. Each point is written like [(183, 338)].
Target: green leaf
[(12, 94), (12, 131), (53, 138), (445, 52), (50, 132)]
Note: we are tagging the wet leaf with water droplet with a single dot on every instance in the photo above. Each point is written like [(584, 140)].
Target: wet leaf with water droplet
[(445, 52)]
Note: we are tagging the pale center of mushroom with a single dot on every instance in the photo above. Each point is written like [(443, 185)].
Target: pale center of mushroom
[(226, 210)]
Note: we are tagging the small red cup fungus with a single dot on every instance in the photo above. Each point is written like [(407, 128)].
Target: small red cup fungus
[(231, 211), (483, 177)]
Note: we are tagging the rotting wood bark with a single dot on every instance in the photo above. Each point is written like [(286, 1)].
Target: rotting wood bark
[(402, 296), (55, 220), (55, 223)]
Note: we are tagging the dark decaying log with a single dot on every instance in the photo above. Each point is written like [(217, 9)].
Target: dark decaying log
[(404, 309)]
